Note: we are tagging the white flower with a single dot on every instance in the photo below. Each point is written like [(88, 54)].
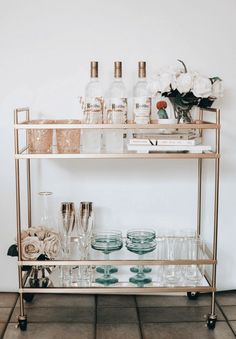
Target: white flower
[(31, 248), (52, 246), (217, 89), (161, 83), (184, 82), (202, 87)]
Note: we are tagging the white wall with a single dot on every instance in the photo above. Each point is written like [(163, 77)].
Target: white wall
[(45, 49)]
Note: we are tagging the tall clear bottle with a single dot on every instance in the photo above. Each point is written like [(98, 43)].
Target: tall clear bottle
[(93, 112), (118, 100), (117, 112), (142, 98)]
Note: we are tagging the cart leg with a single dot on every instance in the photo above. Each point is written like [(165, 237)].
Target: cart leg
[(22, 318), (211, 320)]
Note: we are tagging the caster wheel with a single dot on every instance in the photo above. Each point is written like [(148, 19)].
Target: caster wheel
[(28, 297), (211, 323), (193, 295), (22, 321)]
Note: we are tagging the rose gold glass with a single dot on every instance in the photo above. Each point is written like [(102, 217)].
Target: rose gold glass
[(40, 140), (68, 140)]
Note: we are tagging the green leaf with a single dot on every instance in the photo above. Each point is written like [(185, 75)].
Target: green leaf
[(185, 68), (12, 251), (214, 79)]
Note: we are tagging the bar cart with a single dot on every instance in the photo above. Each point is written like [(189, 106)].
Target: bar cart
[(22, 154)]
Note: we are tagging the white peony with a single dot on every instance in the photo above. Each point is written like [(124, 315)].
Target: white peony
[(217, 89), (161, 83), (202, 87), (31, 247), (184, 82)]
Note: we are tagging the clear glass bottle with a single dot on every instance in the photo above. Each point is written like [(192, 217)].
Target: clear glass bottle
[(117, 111), (142, 98), (118, 100), (93, 112)]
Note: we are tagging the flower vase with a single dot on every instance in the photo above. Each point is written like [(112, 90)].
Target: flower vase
[(183, 114), (37, 278)]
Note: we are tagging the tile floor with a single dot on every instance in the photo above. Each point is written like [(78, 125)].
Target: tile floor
[(118, 317)]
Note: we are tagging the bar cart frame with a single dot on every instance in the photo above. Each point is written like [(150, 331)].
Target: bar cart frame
[(192, 291)]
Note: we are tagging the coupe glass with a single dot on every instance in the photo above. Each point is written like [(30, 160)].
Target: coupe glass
[(141, 248), (107, 242), (140, 236)]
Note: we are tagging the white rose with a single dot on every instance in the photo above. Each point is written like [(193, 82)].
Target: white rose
[(184, 82), (52, 246), (31, 247), (217, 89), (202, 87)]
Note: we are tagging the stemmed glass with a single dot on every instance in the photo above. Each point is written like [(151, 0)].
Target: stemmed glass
[(107, 242), (137, 235), (85, 226), (67, 224), (141, 242)]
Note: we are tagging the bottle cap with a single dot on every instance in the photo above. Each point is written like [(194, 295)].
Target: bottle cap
[(142, 69), (94, 69), (118, 69)]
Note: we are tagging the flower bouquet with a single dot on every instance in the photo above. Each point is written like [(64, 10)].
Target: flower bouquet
[(186, 89), (37, 243)]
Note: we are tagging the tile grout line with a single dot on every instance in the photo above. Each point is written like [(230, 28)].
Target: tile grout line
[(138, 314), (224, 315), (9, 318)]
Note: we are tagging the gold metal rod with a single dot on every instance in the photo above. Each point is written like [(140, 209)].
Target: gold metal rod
[(160, 155), (199, 197), (216, 211), (28, 175), (116, 290), (117, 262), (202, 125)]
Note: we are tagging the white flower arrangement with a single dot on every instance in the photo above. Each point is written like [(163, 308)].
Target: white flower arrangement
[(185, 89), (39, 241)]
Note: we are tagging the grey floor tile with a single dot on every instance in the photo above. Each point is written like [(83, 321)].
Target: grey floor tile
[(186, 331), (116, 301), (167, 301), (230, 312), (8, 299), (4, 314), (226, 298), (61, 300), (118, 331), (175, 314), (114, 315), (233, 325), (51, 331), (56, 314), (2, 327)]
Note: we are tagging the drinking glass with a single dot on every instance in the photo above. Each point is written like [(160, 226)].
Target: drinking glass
[(174, 251), (39, 140), (195, 251), (68, 140), (45, 203), (137, 235), (107, 242)]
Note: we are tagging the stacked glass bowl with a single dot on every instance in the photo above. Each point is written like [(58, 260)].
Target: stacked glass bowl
[(141, 241)]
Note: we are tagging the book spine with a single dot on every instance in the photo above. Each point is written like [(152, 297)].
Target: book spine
[(180, 142)]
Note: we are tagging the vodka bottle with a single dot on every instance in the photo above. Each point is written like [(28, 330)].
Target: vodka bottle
[(93, 111), (142, 99), (118, 95), (93, 97)]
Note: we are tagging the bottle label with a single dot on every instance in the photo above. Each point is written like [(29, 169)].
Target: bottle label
[(93, 110), (120, 105), (142, 107)]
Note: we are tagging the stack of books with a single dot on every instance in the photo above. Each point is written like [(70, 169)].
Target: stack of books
[(180, 142)]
